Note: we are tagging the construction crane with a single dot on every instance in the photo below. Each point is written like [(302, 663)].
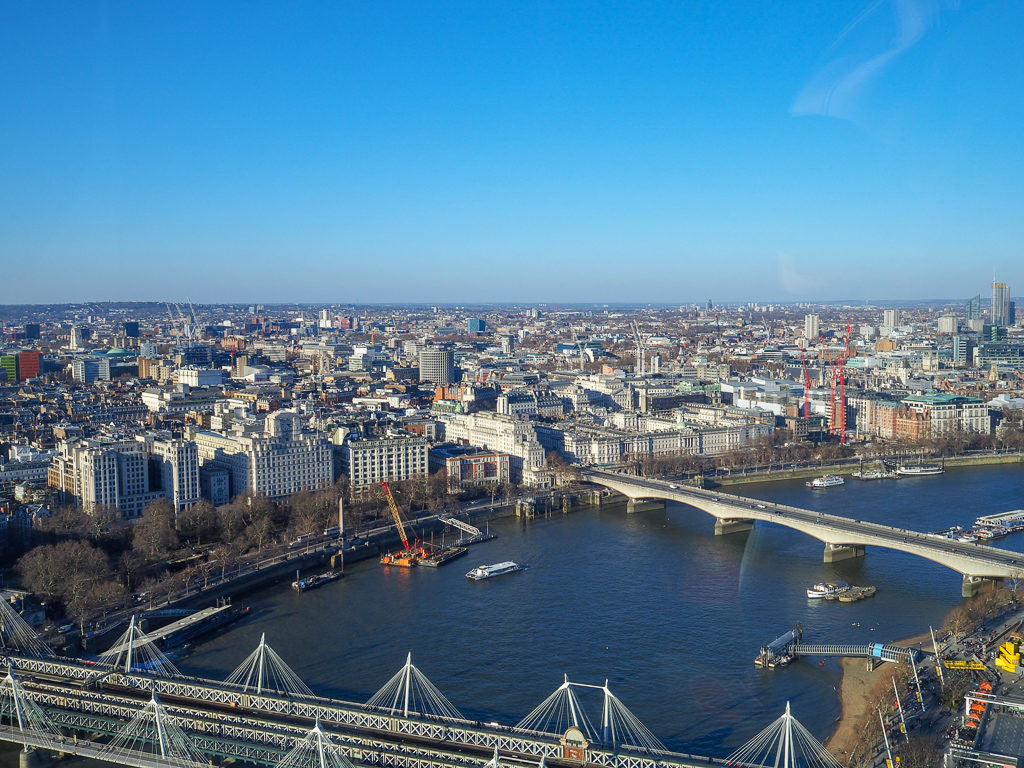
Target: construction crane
[(640, 349), (807, 385), (842, 382), (394, 513)]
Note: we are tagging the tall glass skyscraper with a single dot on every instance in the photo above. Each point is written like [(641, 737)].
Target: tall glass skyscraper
[(1000, 304), (974, 308)]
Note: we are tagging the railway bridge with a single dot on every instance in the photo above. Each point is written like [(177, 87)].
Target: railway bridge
[(843, 537)]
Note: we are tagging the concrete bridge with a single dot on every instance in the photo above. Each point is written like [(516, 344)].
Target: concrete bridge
[(844, 538)]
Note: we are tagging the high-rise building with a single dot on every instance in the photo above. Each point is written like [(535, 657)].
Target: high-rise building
[(973, 309), (811, 327), (31, 330), (476, 325), (9, 365), (1011, 318), (891, 318), (125, 475), (1000, 304), (77, 337), (148, 349), (277, 463), (369, 462), (90, 369), (29, 365), (963, 351), (131, 329), (437, 365), (947, 324)]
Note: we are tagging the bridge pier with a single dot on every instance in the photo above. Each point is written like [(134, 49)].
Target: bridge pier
[(725, 526), (835, 553), (644, 505), (32, 758), (974, 584)]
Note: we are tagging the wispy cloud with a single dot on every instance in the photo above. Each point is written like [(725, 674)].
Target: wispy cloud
[(869, 44), (793, 280)]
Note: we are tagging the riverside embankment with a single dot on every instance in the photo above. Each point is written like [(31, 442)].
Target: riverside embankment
[(849, 466)]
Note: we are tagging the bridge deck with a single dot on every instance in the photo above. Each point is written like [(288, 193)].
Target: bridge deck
[(970, 559), (226, 721)]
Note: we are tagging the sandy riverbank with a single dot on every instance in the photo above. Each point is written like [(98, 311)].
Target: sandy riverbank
[(859, 689)]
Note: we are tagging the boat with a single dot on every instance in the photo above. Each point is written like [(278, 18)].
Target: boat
[(827, 589), (312, 582), (875, 474), (853, 594), (825, 481), (440, 557), (920, 469), (403, 558), (490, 571)]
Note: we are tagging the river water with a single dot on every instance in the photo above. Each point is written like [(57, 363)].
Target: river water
[(671, 615)]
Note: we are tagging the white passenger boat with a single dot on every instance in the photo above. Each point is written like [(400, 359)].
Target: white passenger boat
[(825, 481), (920, 469), (490, 571), (827, 589)]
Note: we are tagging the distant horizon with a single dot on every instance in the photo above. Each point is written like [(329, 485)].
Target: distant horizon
[(512, 303)]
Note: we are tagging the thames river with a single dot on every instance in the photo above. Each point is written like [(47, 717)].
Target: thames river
[(671, 615)]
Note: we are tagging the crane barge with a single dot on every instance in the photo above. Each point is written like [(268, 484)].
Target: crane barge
[(410, 554)]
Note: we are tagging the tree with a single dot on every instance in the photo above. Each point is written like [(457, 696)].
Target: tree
[(64, 571), (199, 522), (921, 751), (155, 534)]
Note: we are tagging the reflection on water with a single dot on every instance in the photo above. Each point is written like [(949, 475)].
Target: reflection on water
[(669, 614)]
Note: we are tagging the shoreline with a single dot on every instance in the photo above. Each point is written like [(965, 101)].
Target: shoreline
[(851, 466), (857, 689)]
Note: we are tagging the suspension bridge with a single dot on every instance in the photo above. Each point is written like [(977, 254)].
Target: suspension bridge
[(133, 707), (844, 538)]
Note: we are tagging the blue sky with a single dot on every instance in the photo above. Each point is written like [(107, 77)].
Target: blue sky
[(488, 151)]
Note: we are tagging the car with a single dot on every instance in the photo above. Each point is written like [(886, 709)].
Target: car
[(761, 506), (674, 487), (64, 629)]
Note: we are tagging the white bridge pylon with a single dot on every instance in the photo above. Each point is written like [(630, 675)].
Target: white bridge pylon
[(17, 635), (316, 750), (264, 670), (152, 731), (409, 691), (562, 710), (135, 652), (783, 744), (20, 710)]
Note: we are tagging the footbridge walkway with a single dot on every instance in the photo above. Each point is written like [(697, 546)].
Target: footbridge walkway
[(844, 538)]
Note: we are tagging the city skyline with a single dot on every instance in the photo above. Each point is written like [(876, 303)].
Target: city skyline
[(397, 153)]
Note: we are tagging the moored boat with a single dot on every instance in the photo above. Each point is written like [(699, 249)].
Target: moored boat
[(312, 582), (853, 594), (440, 557), (825, 481), (920, 469), (827, 589)]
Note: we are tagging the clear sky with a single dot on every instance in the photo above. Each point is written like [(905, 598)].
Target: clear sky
[(489, 151)]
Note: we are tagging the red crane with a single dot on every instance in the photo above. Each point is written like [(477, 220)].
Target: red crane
[(842, 382), (807, 386)]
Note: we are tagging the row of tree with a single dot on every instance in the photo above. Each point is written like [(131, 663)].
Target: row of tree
[(88, 563)]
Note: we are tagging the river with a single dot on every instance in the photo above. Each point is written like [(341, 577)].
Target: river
[(671, 615)]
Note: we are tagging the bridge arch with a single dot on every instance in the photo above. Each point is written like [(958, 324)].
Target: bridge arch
[(844, 538)]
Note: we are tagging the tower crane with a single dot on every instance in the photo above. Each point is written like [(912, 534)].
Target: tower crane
[(807, 385), (842, 381)]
